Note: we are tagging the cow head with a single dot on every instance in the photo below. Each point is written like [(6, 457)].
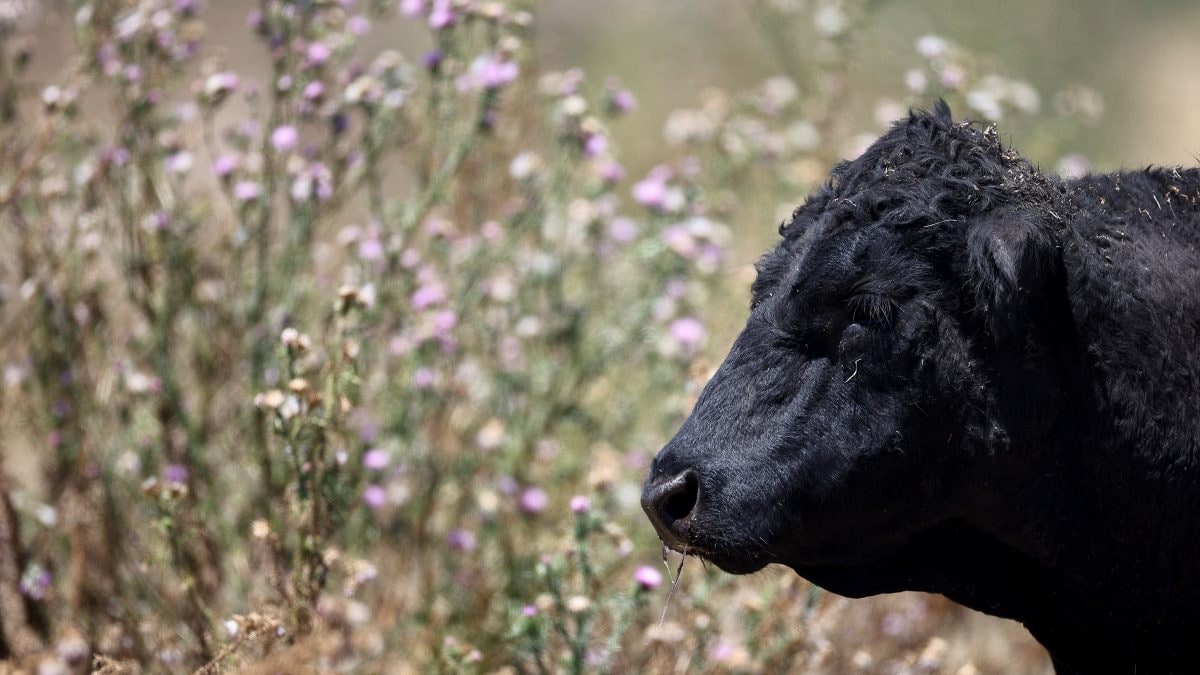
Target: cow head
[(890, 356)]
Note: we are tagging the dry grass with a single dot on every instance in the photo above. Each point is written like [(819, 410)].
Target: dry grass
[(358, 367)]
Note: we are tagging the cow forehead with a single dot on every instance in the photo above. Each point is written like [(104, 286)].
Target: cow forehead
[(821, 248)]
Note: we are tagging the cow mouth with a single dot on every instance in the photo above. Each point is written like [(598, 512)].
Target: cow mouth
[(728, 560)]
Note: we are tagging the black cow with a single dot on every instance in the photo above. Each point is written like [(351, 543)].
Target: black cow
[(961, 375)]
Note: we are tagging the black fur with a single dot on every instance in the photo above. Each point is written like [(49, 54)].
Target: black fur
[(963, 376)]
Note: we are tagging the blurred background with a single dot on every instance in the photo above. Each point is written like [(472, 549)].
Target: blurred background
[(337, 336)]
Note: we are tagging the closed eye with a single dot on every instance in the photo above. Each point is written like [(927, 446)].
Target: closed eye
[(872, 309)]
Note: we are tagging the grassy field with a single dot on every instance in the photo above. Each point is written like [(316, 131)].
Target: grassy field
[(324, 356)]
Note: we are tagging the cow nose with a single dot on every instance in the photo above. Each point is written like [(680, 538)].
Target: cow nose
[(670, 504)]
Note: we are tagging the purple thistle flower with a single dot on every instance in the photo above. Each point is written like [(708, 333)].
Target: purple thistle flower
[(175, 473), (36, 581), (441, 15), (610, 171), (529, 611), (376, 459), (496, 73), (721, 652), (506, 484), (339, 123), (647, 577), (313, 90), (595, 145), (444, 322), (580, 504), (952, 77), (651, 191), (687, 331), (119, 156), (424, 378), (284, 137), (247, 191), (621, 101), (622, 230), (679, 239), (225, 165), (430, 294), (358, 25), (491, 230), (371, 249), (533, 500), (412, 7), (432, 60), (375, 497), (460, 539), (317, 53), (488, 72)]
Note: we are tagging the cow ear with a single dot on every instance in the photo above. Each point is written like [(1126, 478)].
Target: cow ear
[(1012, 254)]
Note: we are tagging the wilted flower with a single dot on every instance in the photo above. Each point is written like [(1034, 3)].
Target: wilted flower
[(491, 435), (916, 81), (315, 181), (524, 165), (1073, 166), (578, 604), (932, 46), (219, 85), (830, 20), (137, 382), (985, 103), (179, 162)]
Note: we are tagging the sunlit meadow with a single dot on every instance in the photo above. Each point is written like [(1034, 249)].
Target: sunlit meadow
[(358, 366)]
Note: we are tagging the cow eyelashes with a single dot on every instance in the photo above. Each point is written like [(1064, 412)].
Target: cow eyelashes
[(871, 308)]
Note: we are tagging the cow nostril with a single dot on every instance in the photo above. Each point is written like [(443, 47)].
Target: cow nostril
[(670, 504), (680, 501)]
